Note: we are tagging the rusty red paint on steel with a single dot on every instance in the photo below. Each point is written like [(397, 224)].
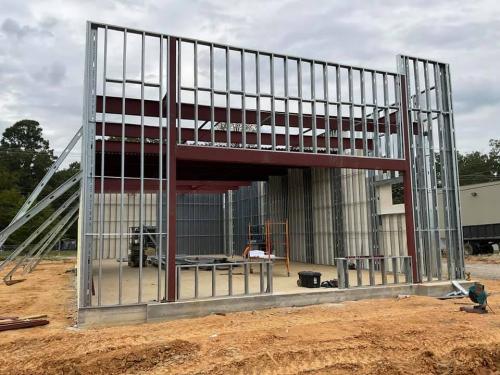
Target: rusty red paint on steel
[(151, 109), (204, 135), (242, 156), (287, 159), (153, 148), (130, 185)]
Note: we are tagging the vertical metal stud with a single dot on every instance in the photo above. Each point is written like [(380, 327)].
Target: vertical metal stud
[(228, 100), (214, 281), (371, 270), (196, 281), (273, 114), (230, 280), (301, 114), (340, 130), (245, 273), (313, 109), (359, 271), (352, 132), (383, 270), (243, 102), (327, 109), (287, 105), (395, 269)]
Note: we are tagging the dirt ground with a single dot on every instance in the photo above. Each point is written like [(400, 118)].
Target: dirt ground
[(484, 258), (417, 335)]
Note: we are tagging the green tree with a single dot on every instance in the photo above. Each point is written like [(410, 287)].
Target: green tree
[(494, 156), (475, 168), (25, 154), (25, 158)]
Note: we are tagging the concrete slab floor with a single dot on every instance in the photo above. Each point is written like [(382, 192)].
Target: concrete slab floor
[(282, 284)]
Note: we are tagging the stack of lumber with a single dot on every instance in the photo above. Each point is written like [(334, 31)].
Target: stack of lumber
[(14, 322)]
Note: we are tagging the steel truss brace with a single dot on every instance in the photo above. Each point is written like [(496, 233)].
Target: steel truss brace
[(38, 189), (57, 213), (4, 234), (42, 252), (43, 243)]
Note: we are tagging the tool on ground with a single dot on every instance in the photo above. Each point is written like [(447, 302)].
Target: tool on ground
[(460, 292), (477, 294)]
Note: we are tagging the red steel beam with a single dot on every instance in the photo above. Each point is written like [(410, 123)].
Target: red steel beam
[(204, 135), (151, 109), (132, 185), (194, 184), (153, 148), (286, 159)]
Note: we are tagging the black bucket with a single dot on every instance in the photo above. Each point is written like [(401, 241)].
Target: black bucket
[(309, 279)]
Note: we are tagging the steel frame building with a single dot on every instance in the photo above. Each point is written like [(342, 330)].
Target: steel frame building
[(165, 115)]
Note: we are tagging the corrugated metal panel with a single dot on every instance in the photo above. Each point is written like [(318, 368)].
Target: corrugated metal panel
[(277, 202), (247, 209), (324, 247), (199, 222), (356, 212), (296, 215)]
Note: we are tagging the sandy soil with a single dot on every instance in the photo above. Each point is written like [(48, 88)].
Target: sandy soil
[(417, 335), (486, 258)]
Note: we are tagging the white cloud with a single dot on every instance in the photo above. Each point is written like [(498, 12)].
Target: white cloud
[(42, 47)]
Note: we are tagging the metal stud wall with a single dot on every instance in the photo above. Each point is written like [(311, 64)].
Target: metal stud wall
[(433, 164), (161, 110), (243, 98)]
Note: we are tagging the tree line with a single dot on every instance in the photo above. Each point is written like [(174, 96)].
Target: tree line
[(25, 157)]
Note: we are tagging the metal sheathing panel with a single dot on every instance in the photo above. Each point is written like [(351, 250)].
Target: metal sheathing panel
[(323, 205), (277, 205), (248, 208), (337, 212), (297, 215), (199, 222), (308, 215), (356, 213)]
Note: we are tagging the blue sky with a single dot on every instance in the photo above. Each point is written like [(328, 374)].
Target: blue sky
[(42, 47)]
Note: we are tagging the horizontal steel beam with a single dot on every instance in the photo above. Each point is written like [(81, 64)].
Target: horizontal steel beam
[(113, 185), (151, 109), (287, 159), (204, 135)]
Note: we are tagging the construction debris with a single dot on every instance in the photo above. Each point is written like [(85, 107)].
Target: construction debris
[(9, 323), (460, 292)]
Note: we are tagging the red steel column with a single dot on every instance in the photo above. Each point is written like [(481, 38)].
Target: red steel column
[(407, 183), (172, 177)]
